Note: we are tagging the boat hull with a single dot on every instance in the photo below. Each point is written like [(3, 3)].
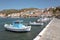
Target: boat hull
[(28, 28)]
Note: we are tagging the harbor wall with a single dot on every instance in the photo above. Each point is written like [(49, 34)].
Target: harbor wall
[(42, 32)]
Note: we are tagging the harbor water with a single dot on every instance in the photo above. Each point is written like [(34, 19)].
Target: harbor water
[(7, 35)]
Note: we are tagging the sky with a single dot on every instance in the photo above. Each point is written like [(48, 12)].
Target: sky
[(20, 4)]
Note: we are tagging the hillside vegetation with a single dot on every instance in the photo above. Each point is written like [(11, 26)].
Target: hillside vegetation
[(9, 11)]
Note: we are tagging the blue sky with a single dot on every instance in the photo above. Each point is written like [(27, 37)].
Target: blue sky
[(19, 4)]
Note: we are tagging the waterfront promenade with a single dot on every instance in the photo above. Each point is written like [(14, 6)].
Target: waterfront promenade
[(51, 31)]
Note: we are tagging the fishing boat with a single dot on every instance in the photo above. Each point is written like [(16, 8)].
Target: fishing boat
[(36, 23), (17, 26), (44, 19)]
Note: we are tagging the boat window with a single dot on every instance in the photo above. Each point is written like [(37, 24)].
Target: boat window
[(17, 22)]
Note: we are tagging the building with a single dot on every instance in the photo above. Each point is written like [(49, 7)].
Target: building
[(2, 15)]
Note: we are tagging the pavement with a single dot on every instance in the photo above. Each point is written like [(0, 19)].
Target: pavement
[(51, 32)]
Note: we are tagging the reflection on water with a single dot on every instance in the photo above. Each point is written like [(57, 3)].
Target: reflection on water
[(7, 35)]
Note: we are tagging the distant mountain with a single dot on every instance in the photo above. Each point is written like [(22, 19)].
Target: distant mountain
[(55, 11)]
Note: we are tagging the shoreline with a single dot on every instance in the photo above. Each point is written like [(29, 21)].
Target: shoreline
[(18, 17), (42, 32)]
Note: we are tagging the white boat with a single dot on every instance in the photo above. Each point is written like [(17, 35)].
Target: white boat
[(36, 23), (17, 26), (44, 19)]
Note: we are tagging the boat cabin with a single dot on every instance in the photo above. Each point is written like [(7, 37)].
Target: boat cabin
[(17, 24)]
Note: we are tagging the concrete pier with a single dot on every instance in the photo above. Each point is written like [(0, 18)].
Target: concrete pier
[(51, 31)]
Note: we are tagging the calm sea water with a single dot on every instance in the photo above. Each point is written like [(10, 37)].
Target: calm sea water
[(7, 35)]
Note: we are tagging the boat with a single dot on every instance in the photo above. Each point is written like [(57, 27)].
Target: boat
[(36, 23), (17, 26), (44, 19)]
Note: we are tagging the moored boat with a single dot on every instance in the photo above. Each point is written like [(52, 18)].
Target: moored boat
[(17, 26), (36, 23), (44, 19)]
